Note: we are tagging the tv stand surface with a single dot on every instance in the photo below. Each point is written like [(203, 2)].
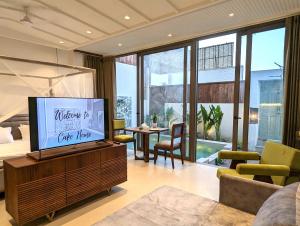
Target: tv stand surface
[(39, 188), (67, 150)]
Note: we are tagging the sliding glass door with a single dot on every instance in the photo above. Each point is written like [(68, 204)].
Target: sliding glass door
[(215, 96), (264, 88), (126, 91), (165, 77), (228, 90)]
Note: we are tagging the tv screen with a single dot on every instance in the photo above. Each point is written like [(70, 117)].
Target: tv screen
[(56, 122)]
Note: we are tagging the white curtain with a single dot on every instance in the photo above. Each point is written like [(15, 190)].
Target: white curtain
[(19, 80)]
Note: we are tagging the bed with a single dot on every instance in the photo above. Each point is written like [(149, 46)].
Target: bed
[(18, 148)]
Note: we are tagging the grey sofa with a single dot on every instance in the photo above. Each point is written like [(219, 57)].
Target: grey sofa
[(271, 204)]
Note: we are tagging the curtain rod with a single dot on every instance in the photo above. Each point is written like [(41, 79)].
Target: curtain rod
[(88, 53)]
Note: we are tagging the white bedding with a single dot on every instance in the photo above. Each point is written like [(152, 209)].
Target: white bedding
[(15, 149)]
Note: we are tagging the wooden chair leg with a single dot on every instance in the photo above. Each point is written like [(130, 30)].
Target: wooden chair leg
[(134, 147), (172, 158), (155, 154), (165, 155), (182, 157)]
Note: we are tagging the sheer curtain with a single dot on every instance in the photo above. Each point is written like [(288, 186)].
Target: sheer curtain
[(19, 80)]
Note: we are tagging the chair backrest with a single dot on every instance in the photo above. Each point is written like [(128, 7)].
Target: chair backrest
[(118, 124), (279, 154), (177, 132)]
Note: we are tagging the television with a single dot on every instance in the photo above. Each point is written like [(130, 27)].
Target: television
[(59, 121)]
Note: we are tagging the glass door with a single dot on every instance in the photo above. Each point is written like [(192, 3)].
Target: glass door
[(126, 106), (165, 77), (215, 97), (262, 89)]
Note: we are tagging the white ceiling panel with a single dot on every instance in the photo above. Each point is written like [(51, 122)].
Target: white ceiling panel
[(152, 9), (85, 15), (180, 4), (201, 22), (99, 25), (117, 11), (23, 31)]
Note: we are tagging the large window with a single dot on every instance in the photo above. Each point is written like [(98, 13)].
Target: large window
[(266, 88), (165, 77), (228, 89), (126, 89), (215, 97)]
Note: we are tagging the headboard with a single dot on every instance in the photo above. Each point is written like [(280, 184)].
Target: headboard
[(14, 122)]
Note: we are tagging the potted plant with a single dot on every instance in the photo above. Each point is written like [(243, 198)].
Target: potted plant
[(154, 120)]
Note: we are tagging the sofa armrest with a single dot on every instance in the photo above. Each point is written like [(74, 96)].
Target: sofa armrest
[(263, 169), (244, 194), (238, 155)]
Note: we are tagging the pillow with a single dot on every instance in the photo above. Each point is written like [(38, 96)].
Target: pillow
[(281, 209), (5, 135), (25, 132)]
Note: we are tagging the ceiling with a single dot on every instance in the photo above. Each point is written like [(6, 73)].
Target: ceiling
[(100, 26)]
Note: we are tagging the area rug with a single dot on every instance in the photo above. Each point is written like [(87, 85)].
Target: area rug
[(169, 206)]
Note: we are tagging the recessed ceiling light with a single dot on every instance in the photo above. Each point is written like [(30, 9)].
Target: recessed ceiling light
[(231, 14), (88, 32), (120, 44), (127, 17), (170, 35), (61, 42)]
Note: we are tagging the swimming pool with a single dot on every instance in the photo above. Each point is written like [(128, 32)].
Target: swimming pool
[(204, 148)]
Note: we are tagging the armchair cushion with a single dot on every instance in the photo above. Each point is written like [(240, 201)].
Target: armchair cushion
[(166, 145), (263, 169), (232, 172), (238, 155), (124, 138)]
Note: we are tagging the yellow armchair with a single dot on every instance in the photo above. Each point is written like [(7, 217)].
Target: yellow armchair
[(278, 164)]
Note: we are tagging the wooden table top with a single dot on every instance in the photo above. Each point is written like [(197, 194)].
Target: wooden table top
[(146, 131)]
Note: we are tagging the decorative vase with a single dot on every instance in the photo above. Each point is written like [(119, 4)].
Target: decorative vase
[(154, 124)]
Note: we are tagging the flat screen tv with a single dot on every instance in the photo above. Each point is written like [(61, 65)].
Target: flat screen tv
[(56, 122)]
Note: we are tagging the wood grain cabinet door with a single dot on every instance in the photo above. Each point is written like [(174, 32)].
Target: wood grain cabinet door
[(41, 190), (113, 167), (83, 176)]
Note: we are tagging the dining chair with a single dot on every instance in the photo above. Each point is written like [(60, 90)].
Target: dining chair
[(175, 143), (119, 134)]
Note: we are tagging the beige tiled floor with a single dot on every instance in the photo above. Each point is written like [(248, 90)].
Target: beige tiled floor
[(142, 179)]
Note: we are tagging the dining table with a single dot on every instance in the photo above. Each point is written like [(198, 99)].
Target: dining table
[(145, 133)]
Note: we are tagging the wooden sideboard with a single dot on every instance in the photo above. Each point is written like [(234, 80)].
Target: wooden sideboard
[(39, 188)]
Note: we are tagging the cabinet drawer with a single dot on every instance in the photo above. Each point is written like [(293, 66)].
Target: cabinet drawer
[(83, 160), (109, 153), (83, 182), (40, 197), (113, 172)]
